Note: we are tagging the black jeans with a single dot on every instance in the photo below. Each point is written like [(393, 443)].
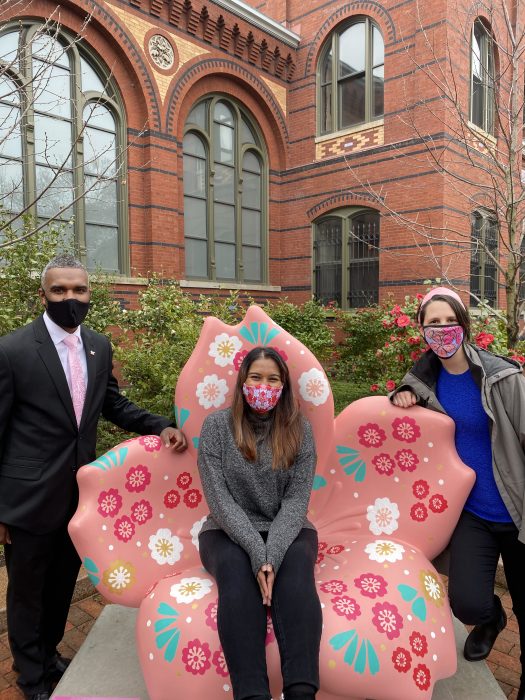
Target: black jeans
[(475, 548), (241, 616)]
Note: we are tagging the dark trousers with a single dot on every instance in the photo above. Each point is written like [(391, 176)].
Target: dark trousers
[(475, 548), (241, 616), (42, 571)]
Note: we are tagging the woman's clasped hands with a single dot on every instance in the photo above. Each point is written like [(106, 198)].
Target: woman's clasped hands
[(265, 579)]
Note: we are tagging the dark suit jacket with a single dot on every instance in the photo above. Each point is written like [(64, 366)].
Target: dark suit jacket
[(41, 446)]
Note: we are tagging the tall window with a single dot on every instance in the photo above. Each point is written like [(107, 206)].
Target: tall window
[(483, 271), (482, 78), (61, 130), (351, 77), (346, 258), (225, 210)]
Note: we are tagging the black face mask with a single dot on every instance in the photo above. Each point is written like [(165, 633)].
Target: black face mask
[(68, 313)]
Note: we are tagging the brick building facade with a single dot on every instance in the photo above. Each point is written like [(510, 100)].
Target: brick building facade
[(278, 147)]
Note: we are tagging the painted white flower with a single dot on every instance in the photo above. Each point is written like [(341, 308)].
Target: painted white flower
[(195, 530), (383, 516), (119, 576), (384, 550), (314, 387), (211, 391), (190, 589), (224, 348), (165, 548)]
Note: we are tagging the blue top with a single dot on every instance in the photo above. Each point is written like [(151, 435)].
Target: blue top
[(460, 396)]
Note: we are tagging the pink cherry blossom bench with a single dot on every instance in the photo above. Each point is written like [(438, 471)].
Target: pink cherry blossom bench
[(388, 491)]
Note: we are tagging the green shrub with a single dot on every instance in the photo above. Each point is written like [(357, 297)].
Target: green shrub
[(306, 322)]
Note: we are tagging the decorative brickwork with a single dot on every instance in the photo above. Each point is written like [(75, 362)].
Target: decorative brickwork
[(348, 143)]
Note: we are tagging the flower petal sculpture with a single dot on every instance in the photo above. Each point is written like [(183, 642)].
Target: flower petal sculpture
[(388, 491)]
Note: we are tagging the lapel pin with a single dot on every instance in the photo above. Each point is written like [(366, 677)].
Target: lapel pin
[(91, 352)]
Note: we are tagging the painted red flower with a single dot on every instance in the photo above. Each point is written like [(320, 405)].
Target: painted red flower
[(138, 478), (211, 614), (196, 657), (320, 558), (421, 676), (171, 498), (390, 385), (322, 545), (184, 480), (109, 503), (371, 435), (141, 512), (124, 529), (334, 586), (406, 460), (419, 512), (192, 498), (281, 353), (335, 549), (384, 464), (437, 503), (239, 357), (151, 443), (405, 429), (346, 607), (371, 585), (402, 660), (387, 619), (420, 488), (220, 663), (418, 643)]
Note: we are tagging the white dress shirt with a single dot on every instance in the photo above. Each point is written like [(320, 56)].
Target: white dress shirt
[(57, 336)]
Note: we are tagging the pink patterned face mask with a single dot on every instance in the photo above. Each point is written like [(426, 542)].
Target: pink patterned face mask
[(262, 397), (445, 341)]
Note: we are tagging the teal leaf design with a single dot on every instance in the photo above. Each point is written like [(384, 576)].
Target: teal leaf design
[(111, 459), (359, 467), (360, 660), (319, 482), (373, 661), (90, 565), (271, 335), (255, 331), (181, 415), (247, 335), (195, 441), (350, 652), (342, 450), (351, 462), (259, 333), (407, 592), (339, 641), (167, 634), (95, 580), (419, 608)]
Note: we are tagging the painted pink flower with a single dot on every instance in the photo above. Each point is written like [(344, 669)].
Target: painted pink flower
[(387, 619), (437, 503), (418, 643), (335, 549), (220, 663), (346, 607), (334, 586), (109, 503), (152, 443), (406, 460), (171, 498), (196, 657), (124, 529), (421, 676), (211, 614), (371, 585), (402, 660), (405, 429), (371, 435), (141, 512), (384, 464), (420, 488), (239, 357), (184, 480), (138, 478), (192, 498), (270, 633), (419, 512)]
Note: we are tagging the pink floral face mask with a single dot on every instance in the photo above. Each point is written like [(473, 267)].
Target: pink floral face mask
[(445, 341), (262, 397)]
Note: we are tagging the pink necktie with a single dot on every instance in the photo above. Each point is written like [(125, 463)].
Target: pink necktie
[(78, 385)]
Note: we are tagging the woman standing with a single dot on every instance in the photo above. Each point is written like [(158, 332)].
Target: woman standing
[(257, 463), (485, 396)]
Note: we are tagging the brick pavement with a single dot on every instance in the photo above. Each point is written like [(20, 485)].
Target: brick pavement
[(503, 661)]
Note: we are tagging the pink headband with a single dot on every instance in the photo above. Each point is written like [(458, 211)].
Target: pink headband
[(439, 291)]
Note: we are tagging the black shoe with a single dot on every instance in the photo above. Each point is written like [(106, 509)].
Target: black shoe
[(42, 695), (480, 641), (57, 668), (521, 692)]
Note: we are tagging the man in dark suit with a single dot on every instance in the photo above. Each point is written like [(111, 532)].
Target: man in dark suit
[(51, 398)]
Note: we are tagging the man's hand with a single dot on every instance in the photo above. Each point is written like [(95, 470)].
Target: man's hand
[(174, 438), (404, 399), (265, 579), (4, 534)]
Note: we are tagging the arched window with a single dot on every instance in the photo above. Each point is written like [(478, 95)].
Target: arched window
[(225, 213), (346, 258), (351, 77), (482, 78), (61, 136), (483, 270)]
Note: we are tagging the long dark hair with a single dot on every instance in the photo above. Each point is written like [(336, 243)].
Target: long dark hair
[(459, 310), (286, 431)]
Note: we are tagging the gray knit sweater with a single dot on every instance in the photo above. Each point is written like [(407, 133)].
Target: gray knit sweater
[(247, 498)]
